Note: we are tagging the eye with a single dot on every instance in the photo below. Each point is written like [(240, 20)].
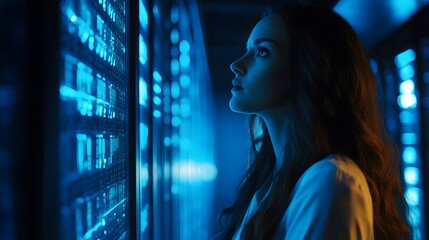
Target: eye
[(262, 52)]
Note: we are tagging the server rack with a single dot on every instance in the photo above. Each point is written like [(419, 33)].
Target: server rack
[(94, 124), (401, 64)]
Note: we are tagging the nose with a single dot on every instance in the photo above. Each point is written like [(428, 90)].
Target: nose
[(237, 67)]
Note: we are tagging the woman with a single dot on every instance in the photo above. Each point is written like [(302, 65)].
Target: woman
[(322, 163)]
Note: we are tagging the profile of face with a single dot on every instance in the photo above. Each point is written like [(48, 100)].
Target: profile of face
[(261, 73)]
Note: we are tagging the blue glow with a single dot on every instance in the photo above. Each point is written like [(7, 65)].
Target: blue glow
[(143, 94), (194, 171), (406, 87), (157, 100), (406, 72), (174, 17), (73, 18), (156, 76), (405, 58), (144, 175), (176, 121), (185, 60), (411, 175), (407, 117), (155, 11), (91, 43), (144, 218), (402, 10), (175, 90), (167, 142), (185, 107), (144, 134), (373, 65), (184, 46), (143, 53), (185, 81), (174, 36), (156, 88), (409, 155), (67, 92), (156, 113), (409, 138), (143, 15), (413, 196), (414, 216), (407, 101), (175, 140), (175, 108), (175, 66)]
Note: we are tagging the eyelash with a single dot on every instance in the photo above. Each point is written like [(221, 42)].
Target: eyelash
[(262, 49)]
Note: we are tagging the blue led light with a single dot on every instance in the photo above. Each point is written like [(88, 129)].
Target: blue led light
[(175, 66), (185, 60), (144, 134), (143, 17), (406, 87), (407, 101), (406, 72), (143, 53), (175, 90), (156, 88), (144, 174), (409, 138), (411, 175), (405, 58), (174, 36), (156, 76), (407, 117), (176, 121), (184, 46), (144, 218), (174, 17), (143, 94), (157, 114), (185, 81), (175, 108), (157, 100), (409, 155)]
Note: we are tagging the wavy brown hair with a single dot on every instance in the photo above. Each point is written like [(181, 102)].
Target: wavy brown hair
[(332, 108)]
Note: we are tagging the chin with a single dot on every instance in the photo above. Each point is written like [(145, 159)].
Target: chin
[(238, 107)]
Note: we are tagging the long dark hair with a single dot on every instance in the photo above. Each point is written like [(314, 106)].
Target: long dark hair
[(332, 108)]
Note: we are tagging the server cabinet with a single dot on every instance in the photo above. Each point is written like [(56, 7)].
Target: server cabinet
[(105, 119), (401, 66)]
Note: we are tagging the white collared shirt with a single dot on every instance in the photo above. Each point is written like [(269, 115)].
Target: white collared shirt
[(331, 200)]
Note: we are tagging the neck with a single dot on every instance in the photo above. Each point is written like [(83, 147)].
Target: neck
[(276, 123)]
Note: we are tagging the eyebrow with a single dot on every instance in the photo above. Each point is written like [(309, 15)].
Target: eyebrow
[(261, 40)]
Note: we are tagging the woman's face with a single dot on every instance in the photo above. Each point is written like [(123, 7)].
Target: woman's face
[(261, 73)]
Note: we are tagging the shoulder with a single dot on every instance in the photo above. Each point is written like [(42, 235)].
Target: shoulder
[(335, 174), (331, 199)]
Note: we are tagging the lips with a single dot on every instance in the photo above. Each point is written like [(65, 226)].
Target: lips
[(236, 85)]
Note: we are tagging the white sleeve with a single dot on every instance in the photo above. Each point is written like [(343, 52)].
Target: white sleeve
[(330, 203)]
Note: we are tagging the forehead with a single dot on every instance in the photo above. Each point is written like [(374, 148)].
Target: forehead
[(272, 27)]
